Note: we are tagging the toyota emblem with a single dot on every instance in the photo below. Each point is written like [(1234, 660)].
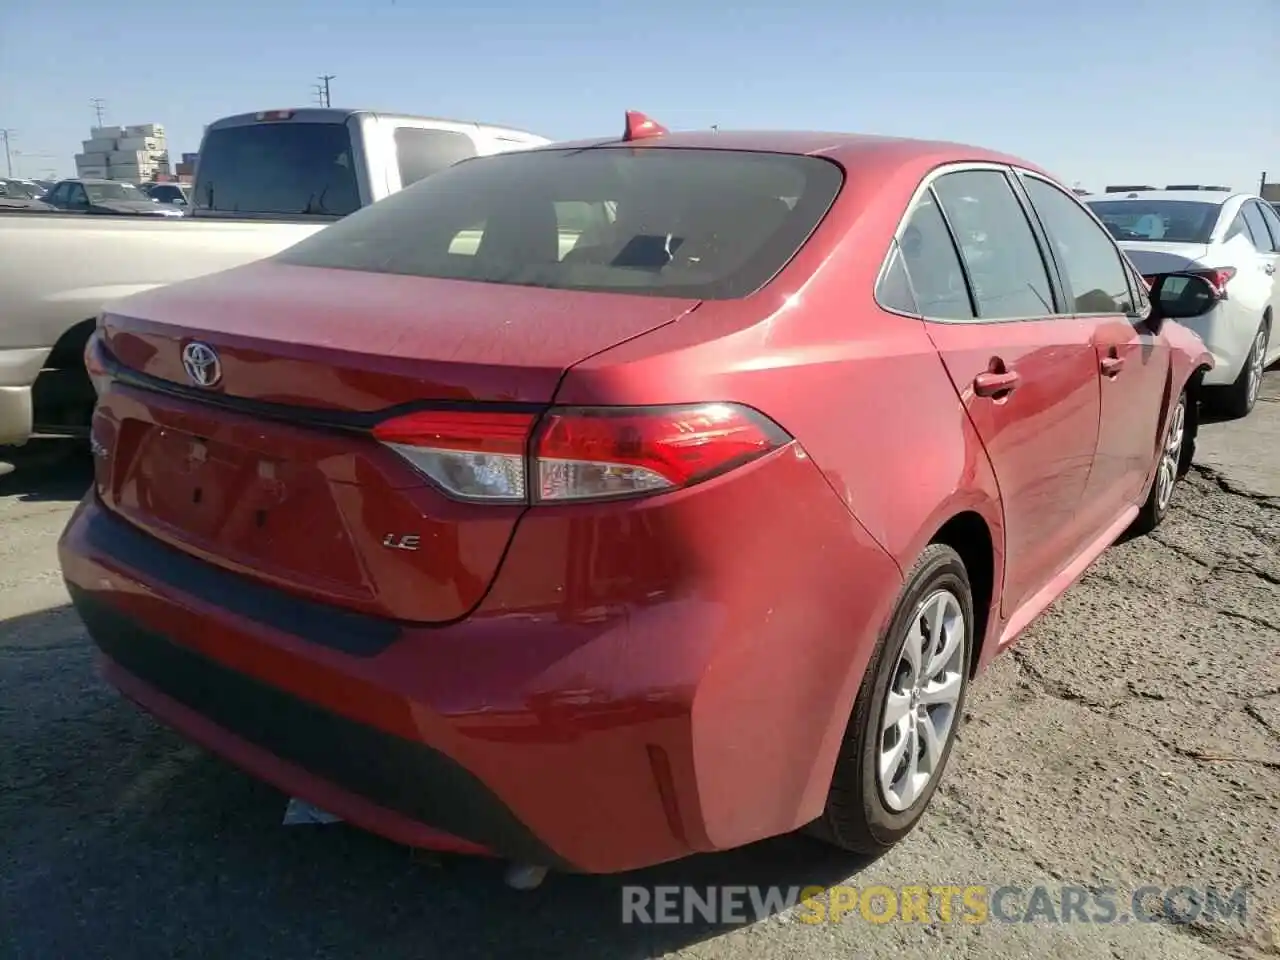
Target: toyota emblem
[(202, 364)]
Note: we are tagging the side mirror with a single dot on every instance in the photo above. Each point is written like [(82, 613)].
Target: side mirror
[(1182, 296)]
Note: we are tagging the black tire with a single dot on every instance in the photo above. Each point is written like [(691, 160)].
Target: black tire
[(1239, 399), (856, 817), (1172, 461)]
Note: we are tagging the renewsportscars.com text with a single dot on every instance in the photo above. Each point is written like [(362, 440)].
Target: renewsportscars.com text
[(938, 903)]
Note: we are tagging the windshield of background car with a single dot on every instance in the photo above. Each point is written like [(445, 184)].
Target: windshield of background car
[(1164, 221), (282, 168), (703, 224), (99, 192)]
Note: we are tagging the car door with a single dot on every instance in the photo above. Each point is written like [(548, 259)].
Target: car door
[(1027, 376), (57, 197), (77, 198), (1133, 359)]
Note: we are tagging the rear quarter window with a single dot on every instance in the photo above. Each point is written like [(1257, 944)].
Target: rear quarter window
[(420, 151), (702, 224), (280, 168)]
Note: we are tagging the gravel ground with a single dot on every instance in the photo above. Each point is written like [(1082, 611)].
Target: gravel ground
[(1132, 738)]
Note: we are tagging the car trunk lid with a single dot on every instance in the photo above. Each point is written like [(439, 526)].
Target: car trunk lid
[(1154, 257), (271, 471)]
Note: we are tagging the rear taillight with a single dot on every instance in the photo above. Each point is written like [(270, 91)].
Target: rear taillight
[(472, 455), (1219, 277), (95, 362), (576, 454)]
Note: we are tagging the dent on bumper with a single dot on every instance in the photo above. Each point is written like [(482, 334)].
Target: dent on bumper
[(596, 735)]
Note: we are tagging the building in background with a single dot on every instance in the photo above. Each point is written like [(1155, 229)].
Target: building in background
[(135, 154), (186, 170)]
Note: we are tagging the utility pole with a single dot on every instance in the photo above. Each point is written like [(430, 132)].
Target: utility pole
[(99, 108), (323, 91), (5, 134), (1262, 184)]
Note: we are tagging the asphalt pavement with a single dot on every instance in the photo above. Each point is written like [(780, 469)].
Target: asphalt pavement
[(1131, 739)]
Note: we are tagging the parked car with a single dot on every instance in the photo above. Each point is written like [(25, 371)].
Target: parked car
[(672, 507), (20, 195), (177, 194), (86, 195), (1231, 239), (267, 180)]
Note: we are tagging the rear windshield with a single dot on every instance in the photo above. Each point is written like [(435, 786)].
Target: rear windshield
[(1169, 221), (98, 192), (705, 224), (281, 168)]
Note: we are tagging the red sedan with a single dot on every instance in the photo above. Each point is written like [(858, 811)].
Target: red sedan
[(599, 504)]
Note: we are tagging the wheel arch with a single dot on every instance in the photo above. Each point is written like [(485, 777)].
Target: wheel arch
[(969, 535), (68, 350), (1194, 387), (63, 395)]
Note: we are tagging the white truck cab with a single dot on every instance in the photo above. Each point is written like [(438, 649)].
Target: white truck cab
[(325, 163)]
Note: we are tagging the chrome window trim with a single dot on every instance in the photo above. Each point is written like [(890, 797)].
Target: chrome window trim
[(1018, 171)]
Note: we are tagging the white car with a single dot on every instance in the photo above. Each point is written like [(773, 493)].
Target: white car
[(1233, 239)]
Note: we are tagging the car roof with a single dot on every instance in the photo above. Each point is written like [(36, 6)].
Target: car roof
[(1217, 197), (342, 114), (847, 149)]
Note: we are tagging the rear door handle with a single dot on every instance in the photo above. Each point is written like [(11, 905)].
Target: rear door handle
[(1112, 365), (996, 384)]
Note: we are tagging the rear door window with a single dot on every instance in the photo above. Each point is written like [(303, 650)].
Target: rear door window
[(701, 224), (420, 152), (999, 249), (279, 168)]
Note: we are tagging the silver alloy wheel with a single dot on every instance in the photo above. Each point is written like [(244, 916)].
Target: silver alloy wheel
[(1257, 364), (1171, 455), (920, 707)]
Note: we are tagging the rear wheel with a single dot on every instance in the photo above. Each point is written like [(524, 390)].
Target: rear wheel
[(1239, 399), (904, 721)]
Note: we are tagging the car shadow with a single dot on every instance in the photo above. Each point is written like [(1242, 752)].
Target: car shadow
[(1270, 391), (47, 471), (123, 840)]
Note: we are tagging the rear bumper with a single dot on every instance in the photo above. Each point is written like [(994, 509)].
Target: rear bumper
[(381, 782), (1227, 331), (19, 369), (602, 711)]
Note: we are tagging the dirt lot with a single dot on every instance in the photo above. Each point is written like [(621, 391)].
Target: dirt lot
[(1133, 738)]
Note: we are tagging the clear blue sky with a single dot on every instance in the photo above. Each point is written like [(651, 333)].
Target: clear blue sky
[(1098, 91)]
